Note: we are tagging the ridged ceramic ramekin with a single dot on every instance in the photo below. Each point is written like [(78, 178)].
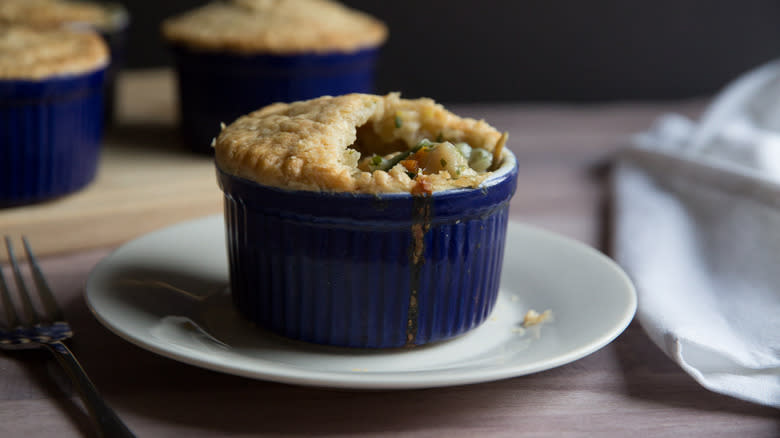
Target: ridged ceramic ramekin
[(219, 87), (364, 270), (50, 134)]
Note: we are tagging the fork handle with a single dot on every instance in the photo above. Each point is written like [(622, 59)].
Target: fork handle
[(106, 421)]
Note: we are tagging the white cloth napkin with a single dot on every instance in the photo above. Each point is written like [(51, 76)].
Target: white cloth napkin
[(697, 227)]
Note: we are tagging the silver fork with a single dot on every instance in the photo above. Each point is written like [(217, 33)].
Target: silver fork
[(48, 331)]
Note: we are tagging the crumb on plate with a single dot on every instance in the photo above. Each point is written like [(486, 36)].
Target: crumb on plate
[(532, 317)]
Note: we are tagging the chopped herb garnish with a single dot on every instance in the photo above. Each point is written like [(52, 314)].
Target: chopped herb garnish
[(398, 121), (376, 162), (443, 162), (439, 138), (389, 164)]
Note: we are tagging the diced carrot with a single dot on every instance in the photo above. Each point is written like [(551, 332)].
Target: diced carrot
[(411, 165)]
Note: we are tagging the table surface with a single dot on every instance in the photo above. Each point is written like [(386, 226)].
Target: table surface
[(564, 153)]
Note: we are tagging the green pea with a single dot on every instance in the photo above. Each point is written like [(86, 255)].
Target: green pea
[(464, 149), (480, 159)]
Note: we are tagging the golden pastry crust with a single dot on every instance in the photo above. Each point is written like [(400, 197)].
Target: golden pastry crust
[(32, 54), (48, 13), (317, 144), (275, 26)]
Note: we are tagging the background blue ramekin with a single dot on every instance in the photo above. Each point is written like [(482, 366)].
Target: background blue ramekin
[(217, 87), (50, 135), (340, 269)]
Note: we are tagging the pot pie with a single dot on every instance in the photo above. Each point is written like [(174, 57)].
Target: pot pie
[(51, 94), (360, 143), (35, 54), (275, 27), (53, 13)]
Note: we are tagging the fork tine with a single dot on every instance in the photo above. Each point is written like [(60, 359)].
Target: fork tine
[(27, 305), (11, 318), (47, 297)]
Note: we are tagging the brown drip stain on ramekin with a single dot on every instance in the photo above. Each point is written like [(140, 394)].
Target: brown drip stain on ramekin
[(421, 223)]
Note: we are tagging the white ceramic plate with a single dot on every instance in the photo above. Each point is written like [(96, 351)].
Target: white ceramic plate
[(166, 292)]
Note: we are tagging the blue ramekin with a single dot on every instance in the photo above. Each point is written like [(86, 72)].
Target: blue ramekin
[(365, 270), (217, 87), (50, 135)]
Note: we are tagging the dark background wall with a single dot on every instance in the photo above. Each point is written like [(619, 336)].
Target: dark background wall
[(569, 50)]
